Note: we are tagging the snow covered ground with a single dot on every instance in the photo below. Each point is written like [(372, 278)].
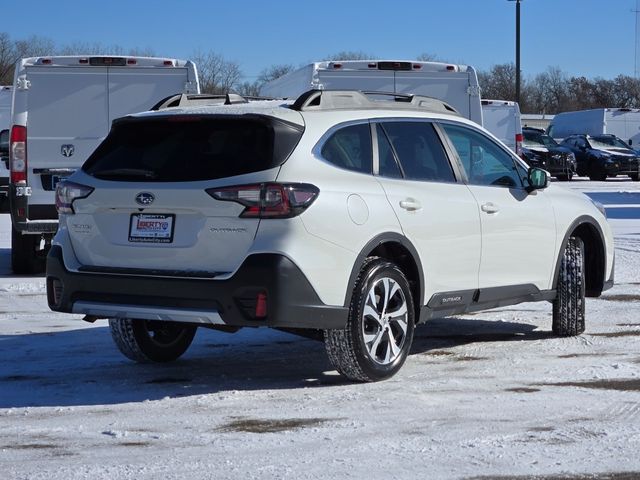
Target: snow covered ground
[(482, 396)]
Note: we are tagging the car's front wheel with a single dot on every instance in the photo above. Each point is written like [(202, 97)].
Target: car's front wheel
[(377, 338), (568, 307), (151, 341)]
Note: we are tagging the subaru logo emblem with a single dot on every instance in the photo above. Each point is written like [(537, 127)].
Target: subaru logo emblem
[(67, 150), (145, 198)]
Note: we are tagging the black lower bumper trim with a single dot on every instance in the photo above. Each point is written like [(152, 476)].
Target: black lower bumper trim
[(291, 300)]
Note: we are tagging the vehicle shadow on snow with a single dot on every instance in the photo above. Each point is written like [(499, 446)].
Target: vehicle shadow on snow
[(83, 367)]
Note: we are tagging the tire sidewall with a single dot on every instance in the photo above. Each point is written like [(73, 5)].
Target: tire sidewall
[(378, 269)]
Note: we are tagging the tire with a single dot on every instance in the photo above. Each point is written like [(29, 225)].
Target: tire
[(148, 341), (565, 178), (597, 177), (635, 177), (26, 255), (371, 348), (568, 307)]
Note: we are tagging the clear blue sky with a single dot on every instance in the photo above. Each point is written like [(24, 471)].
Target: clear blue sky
[(594, 38)]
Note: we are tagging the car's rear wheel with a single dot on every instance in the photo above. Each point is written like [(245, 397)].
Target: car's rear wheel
[(151, 341), (377, 338), (568, 307)]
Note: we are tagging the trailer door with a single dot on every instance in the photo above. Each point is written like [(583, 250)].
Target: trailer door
[(137, 89)]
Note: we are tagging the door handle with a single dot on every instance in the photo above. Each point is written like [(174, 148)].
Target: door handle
[(490, 207), (410, 204)]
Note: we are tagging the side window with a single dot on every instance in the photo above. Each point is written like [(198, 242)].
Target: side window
[(350, 148), (581, 143), (419, 150), (484, 162), (388, 165)]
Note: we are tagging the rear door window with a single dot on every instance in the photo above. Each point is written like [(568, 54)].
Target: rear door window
[(192, 148), (419, 151)]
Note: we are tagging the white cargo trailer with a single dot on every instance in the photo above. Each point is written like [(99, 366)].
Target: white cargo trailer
[(62, 109), (624, 123), (502, 118), (457, 85)]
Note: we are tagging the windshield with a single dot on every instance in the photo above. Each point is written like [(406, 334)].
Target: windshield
[(601, 145), (538, 139), (611, 142)]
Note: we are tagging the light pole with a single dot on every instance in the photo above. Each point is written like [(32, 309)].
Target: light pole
[(517, 49)]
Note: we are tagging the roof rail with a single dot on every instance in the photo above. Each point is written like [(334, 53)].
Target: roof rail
[(185, 100), (345, 99)]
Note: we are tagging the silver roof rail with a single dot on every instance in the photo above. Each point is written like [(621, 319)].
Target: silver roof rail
[(349, 99), (186, 100)]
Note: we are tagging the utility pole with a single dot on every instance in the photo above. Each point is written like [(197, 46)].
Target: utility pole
[(635, 56), (518, 48)]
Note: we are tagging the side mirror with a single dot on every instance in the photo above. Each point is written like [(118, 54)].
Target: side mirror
[(538, 179), (630, 142)]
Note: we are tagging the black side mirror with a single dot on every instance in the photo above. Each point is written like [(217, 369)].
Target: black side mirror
[(538, 179)]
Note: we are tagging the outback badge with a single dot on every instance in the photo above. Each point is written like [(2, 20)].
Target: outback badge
[(145, 198)]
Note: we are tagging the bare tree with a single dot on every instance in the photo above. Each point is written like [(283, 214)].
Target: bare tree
[(429, 57), (12, 51), (273, 72), (216, 74), (499, 82), (349, 55)]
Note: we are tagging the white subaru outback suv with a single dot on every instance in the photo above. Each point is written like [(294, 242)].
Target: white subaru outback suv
[(342, 213)]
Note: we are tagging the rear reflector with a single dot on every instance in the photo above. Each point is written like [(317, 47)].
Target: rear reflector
[(261, 305), (131, 61)]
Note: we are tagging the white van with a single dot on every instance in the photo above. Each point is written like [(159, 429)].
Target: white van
[(5, 125), (624, 123), (456, 85), (502, 118), (62, 109)]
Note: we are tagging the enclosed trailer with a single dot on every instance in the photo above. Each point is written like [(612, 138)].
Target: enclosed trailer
[(62, 109), (502, 118), (457, 85)]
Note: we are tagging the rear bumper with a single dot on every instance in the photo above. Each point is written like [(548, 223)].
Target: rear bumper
[(290, 299)]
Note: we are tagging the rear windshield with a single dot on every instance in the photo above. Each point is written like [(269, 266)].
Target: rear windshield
[(192, 148)]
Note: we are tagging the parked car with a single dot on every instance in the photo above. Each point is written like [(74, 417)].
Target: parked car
[(599, 160), (622, 122), (616, 143), (542, 151), (337, 213)]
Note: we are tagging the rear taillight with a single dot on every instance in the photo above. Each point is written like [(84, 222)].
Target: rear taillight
[(67, 192), (268, 200), (18, 154), (519, 143)]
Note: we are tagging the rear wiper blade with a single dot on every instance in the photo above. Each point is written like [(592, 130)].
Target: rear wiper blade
[(125, 172)]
